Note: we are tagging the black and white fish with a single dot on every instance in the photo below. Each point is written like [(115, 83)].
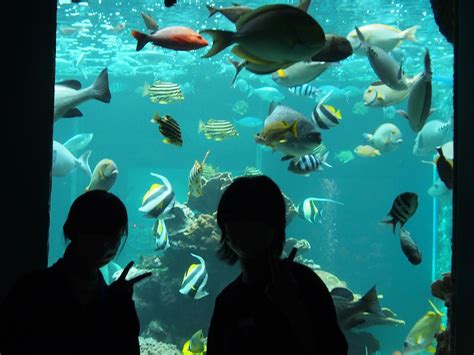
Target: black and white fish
[(308, 209), (160, 232), (404, 206), (195, 280), (159, 200), (305, 90), (252, 171), (169, 128), (163, 92), (409, 247), (326, 116), (308, 163), (217, 129)]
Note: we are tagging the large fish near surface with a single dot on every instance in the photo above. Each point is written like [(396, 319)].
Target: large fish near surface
[(259, 36), (299, 73), (68, 95), (299, 141), (419, 99), (386, 68)]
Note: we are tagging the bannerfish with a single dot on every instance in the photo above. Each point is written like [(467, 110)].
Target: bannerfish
[(404, 206), (195, 177), (195, 280), (159, 200), (68, 95), (178, 38), (64, 162), (308, 209), (169, 128), (160, 232), (163, 92), (326, 116), (217, 130), (104, 175)]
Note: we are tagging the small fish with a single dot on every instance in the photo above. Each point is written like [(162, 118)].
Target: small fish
[(150, 23), (249, 122), (196, 345), (163, 92), (178, 38), (104, 175), (169, 128), (160, 232), (308, 163), (386, 137), (445, 169), (252, 171), (404, 206), (305, 90), (326, 116), (366, 151), (409, 247), (195, 177), (308, 209), (217, 129), (159, 200), (195, 280)]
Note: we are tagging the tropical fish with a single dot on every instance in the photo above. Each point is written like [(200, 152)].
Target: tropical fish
[(422, 335), (419, 99), (160, 232), (445, 168), (267, 93), (78, 142), (178, 38), (64, 162), (195, 177), (308, 163), (404, 206), (433, 134), (162, 92), (366, 151), (305, 90), (209, 171), (68, 95), (326, 116), (386, 137), (249, 122), (299, 73), (195, 280), (252, 171), (159, 200), (196, 345), (169, 128), (380, 95), (104, 175), (275, 132), (335, 49), (150, 23), (409, 247), (217, 129), (259, 35), (308, 210)]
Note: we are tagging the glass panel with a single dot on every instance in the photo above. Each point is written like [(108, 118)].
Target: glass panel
[(367, 166)]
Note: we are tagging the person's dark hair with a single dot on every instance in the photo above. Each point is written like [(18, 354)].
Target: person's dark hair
[(96, 211), (256, 198)]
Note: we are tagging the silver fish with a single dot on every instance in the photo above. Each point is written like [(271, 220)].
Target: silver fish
[(299, 73)]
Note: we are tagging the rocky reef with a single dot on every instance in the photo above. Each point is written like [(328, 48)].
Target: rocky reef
[(169, 317), (443, 289)]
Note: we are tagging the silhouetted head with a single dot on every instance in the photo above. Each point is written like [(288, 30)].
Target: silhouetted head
[(95, 225), (252, 218)]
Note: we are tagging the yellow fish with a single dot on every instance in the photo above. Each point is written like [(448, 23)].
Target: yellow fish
[(196, 345), (275, 132), (366, 151)]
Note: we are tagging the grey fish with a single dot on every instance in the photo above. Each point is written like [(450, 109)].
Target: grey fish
[(150, 23), (349, 310), (299, 73), (386, 68), (404, 206), (259, 36), (307, 138), (419, 98), (68, 95), (409, 247), (367, 320)]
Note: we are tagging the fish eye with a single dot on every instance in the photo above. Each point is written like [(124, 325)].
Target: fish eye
[(199, 37), (369, 91)]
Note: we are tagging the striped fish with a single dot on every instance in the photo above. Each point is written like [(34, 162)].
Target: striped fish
[(159, 200), (307, 163), (169, 128), (326, 116), (403, 207), (209, 171), (252, 171), (160, 233), (195, 177), (195, 279), (217, 129), (305, 90), (162, 92), (308, 209)]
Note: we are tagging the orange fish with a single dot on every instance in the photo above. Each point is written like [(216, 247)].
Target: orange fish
[(174, 37)]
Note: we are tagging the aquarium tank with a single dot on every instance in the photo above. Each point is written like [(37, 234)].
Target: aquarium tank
[(354, 123)]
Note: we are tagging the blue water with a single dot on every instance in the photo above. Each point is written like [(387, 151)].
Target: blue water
[(348, 241)]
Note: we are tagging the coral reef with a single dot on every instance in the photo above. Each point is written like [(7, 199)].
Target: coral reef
[(149, 346)]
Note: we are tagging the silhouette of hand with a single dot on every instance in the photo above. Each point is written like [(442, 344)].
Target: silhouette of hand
[(122, 287)]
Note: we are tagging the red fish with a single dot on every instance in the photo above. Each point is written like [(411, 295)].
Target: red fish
[(174, 37)]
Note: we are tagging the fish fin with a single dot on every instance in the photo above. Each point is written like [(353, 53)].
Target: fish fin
[(272, 107), (431, 349), (327, 200), (400, 71), (403, 114), (324, 162), (238, 67), (142, 39), (304, 5), (72, 84), (74, 112), (212, 10), (221, 40), (435, 309), (84, 163), (294, 129), (392, 221), (368, 137), (409, 33), (371, 300), (362, 39), (101, 87), (286, 157)]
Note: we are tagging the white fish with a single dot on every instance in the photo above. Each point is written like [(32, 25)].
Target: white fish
[(64, 162), (159, 200), (68, 95), (386, 138), (195, 280), (78, 142), (104, 175), (438, 189), (268, 94), (380, 95), (300, 73), (433, 134)]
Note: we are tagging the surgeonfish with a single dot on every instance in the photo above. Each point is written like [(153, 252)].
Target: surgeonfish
[(326, 116), (308, 210), (386, 68), (422, 335), (150, 23), (217, 129), (195, 177), (433, 134), (160, 232), (419, 99), (68, 95), (366, 151), (178, 38), (409, 247), (404, 206), (163, 92), (78, 142), (386, 137), (380, 95), (308, 163), (299, 73), (104, 175), (195, 280), (196, 345), (159, 200), (169, 128), (64, 162)]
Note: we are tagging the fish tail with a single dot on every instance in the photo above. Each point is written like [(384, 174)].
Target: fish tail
[(142, 39), (212, 10), (84, 163), (324, 162), (362, 40), (221, 40), (428, 71), (238, 67), (101, 87), (371, 302), (146, 88), (409, 34), (393, 222), (201, 126), (294, 129)]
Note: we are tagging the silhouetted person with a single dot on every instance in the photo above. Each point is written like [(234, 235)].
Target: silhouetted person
[(68, 308), (275, 306)]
